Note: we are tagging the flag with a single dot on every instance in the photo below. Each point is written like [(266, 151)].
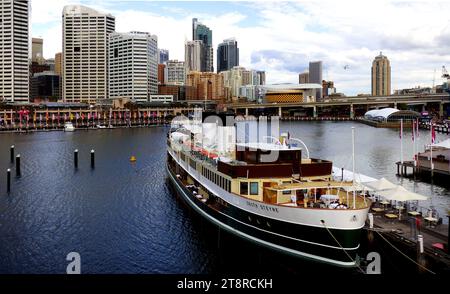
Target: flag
[(433, 135)]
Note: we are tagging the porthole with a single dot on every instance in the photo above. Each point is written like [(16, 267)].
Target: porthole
[(268, 225), (258, 221), (249, 218)]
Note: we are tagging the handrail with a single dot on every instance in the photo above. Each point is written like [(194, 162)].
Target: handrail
[(301, 142)]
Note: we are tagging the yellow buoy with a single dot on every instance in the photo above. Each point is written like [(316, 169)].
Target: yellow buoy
[(133, 159)]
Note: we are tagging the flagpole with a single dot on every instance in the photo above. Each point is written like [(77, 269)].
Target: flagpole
[(401, 142), (414, 140), (431, 148)]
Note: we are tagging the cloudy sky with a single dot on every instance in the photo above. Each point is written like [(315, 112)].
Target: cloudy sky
[(282, 37)]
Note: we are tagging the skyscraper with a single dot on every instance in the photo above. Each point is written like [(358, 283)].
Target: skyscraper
[(193, 55), (203, 33), (14, 37), (163, 56), (37, 54), (315, 76), (133, 65), (381, 76), (227, 55), (85, 53)]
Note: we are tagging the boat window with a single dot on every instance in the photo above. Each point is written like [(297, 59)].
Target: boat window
[(254, 188), (244, 188)]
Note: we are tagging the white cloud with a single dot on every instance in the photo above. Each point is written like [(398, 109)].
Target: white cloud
[(415, 36)]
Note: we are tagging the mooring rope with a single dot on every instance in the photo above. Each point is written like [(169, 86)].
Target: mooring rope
[(359, 267), (404, 253)]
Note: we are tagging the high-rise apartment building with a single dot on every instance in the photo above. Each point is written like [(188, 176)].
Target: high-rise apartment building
[(315, 77), (260, 78), (203, 33), (381, 76), (175, 73), (227, 55), (208, 85), (85, 53), (193, 55), (37, 50), (14, 50), (133, 65), (303, 78)]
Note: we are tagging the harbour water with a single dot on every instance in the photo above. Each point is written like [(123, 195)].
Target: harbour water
[(124, 217)]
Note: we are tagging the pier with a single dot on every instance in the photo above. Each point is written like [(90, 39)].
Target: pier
[(51, 119), (404, 235)]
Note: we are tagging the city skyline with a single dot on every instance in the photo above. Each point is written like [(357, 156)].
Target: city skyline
[(282, 39)]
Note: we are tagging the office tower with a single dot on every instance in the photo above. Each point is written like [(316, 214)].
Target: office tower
[(14, 51), (163, 56), (193, 55), (58, 64), (381, 76), (59, 71), (45, 86), (133, 65), (227, 55), (203, 33), (175, 73), (85, 53), (303, 78), (315, 77), (37, 54)]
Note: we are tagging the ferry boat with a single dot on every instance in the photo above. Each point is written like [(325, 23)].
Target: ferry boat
[(68, 127), (290, 204)]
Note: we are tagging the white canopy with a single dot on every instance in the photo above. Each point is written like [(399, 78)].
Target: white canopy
[(444, 144), (381, 185), (348, 176), (401, 194), (357, 187)]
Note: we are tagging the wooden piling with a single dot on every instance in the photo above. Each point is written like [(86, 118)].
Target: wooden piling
[(92, 158), (8, 180), (75, 158), (18, 171), (11, 152)]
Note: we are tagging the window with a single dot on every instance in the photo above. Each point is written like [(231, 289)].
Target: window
[(116, 52), (244, 188), (287, 192), (254, 188)]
